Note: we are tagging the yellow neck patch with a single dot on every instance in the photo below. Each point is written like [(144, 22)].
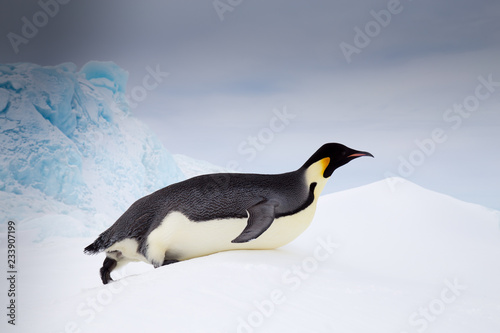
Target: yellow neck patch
[(324, 164), (314, 174)]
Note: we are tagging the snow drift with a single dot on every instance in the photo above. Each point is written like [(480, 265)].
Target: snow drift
[(373, 260), (378, 258)]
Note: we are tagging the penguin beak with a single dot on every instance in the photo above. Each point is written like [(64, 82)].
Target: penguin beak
[(359, 154)]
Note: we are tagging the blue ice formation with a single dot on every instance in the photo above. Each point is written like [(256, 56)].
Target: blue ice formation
[(68, 135)]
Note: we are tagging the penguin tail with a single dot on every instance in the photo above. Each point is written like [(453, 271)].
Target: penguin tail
[(91, 249), (101, 243)]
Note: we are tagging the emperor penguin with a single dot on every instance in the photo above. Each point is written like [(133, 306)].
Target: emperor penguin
[(219, 212)]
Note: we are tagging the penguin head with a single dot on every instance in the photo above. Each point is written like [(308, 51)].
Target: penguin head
[(332, 156)]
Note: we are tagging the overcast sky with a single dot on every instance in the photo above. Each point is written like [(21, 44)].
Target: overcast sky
[(260, 85)]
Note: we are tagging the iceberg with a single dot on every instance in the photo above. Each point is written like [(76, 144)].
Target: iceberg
[(70, 145)]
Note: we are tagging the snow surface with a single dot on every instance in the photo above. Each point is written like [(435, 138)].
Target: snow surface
[(373, 260), (379, 258), (191, 167)]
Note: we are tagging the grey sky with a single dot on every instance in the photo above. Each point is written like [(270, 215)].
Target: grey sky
[(227, 76)]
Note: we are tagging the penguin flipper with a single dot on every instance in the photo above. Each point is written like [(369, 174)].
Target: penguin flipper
[(260, 218)]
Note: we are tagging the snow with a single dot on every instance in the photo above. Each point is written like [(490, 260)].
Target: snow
[(385, 257), (373, 260), (191, 167)]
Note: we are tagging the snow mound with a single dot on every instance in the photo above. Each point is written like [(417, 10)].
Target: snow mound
[(375, 259), (67, 138), (191, 167)]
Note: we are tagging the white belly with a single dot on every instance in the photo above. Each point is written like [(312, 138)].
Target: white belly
[(179, 238)]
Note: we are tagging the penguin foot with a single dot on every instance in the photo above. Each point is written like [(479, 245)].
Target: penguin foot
[(107, 267)]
